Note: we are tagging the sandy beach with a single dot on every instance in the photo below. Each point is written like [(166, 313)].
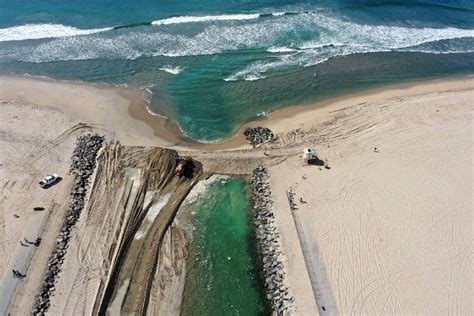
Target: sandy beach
[(385, 231), (119, 112)]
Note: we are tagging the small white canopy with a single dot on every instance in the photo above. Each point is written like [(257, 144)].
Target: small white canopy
[(308, 151)]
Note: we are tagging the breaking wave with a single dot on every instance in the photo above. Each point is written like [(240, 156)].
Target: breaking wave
[(283, 49), (207, 18), (224, 17), (175, 70), (39, 31), (251, 75), (202, 186), (318, 37), (342, 38)]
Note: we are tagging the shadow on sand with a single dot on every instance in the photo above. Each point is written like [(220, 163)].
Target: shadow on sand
[(315, 161)]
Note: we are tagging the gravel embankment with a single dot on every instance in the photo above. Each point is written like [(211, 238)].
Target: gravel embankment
[(82, 166), (277, 291)]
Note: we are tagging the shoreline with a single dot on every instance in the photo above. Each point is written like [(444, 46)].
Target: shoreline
[(162, 131), (383, 93), (119, 110)]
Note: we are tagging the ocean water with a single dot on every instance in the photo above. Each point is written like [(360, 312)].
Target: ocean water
[(213, 65), (222, 270)]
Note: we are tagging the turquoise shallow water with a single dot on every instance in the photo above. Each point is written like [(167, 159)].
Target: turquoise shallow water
[(222, 274), (213, 65)]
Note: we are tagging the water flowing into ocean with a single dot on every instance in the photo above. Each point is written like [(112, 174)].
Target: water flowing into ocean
[(212, 66)]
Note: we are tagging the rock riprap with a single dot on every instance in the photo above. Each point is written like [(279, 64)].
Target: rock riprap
[(258, 135), (267, 235), (82, 167)]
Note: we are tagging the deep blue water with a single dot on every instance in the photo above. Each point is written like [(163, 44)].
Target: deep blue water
[(212, 65)]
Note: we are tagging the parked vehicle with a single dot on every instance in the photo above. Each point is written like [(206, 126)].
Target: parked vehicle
[(48, 180)]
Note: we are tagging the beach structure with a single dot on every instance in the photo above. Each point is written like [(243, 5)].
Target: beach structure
[(308, 155)]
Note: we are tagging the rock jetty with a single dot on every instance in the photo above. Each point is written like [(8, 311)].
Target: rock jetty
[(258, 135), (82, 166), (266, 233)]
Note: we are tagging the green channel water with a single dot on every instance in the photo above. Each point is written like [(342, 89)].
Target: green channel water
[(223, 277)]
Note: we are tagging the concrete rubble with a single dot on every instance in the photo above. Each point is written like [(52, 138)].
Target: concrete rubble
[(267, 235), (82, 166)]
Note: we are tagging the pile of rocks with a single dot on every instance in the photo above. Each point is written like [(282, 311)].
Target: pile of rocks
[(266, 232), (82, 166), (258, 135)]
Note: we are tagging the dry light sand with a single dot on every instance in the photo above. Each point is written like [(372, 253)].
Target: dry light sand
[(387, 232), (380, 233)]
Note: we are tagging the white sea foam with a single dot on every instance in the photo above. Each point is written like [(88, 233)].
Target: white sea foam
[(206, 18), (255, 70), (332, 37), (342, 38), (253, 77), (83, 48), (280, 49), (38, 31), (202, 186), (247, 76), (172, 69)]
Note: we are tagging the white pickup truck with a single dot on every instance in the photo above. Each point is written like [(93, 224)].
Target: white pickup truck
[(48, 180)]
